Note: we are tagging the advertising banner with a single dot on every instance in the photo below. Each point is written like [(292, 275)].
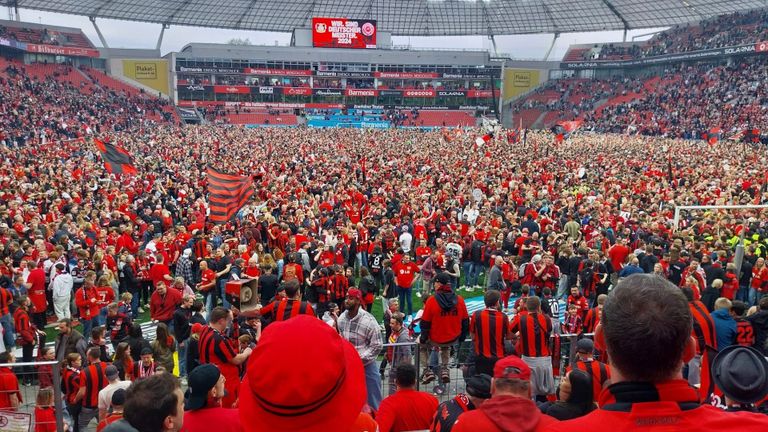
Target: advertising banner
[(297, 91), (343, 33), (280, 72), (451, 93), (407, 75), (62, 51), (327, 92), (151, 73), (426, 93), (362, 92), (231, 89)]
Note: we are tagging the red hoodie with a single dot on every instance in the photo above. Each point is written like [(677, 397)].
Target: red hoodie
[(505, 413)]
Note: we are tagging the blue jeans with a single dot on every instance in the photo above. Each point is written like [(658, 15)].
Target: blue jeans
[(405, 296), (466, 267), (474, 272), (135, 305), (373, 384), (362, 258), (102, 318), (210, 301), (755, 296), (183, 357), (743, 294), (222, 294), (9, 335), (89, 324)]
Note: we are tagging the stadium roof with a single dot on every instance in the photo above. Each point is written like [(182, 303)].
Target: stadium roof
[(406, 17)]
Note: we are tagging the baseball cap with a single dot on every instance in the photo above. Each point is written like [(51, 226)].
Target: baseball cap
[(585, 346), (201, 380), (741, 373), (355, 293), (274, 400), (197, 328), (512, 367), (111, 372), (479, 386), (443, 278)]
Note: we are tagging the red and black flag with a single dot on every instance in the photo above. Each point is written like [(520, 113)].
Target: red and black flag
[(116, 159), (227, 194)]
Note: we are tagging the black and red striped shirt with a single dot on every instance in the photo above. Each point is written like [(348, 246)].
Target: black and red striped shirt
[(535, 329), (703, 326), (6, 298), (70, 383), (340, 286), (93, 379), (600, 373), (489, 329), (284, 309)]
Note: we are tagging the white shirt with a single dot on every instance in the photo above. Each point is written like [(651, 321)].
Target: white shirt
[(105, 394), (62, 285), (405, 241)]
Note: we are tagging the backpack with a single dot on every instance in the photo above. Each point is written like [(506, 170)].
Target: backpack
[(521, 270)]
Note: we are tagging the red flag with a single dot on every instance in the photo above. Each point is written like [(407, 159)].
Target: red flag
[(116, 159), (227, 194), (570, 126)]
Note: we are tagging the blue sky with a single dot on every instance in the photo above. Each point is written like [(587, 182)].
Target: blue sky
[(128, 34)]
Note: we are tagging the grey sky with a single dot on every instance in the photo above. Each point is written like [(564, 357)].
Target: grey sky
[(128, 34)]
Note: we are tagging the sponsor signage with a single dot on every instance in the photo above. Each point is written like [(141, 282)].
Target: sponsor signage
[(761, 47), (426, 93), (62, 51), (333, 74), (195, 88), (390, 93), (281, 72), (668, 58), (476, 94), (327, 92), (267, 90), (362, 92), (233, 89), (407, 75), (343, 33), (470, 76), (297, 91), (208, 70), (187, 113), (451, 93)]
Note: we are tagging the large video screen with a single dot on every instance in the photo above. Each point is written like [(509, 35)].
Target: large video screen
[(343, 33)]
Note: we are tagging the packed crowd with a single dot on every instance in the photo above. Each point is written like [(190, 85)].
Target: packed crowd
[(341, 217), (691, 100), (723, 31)]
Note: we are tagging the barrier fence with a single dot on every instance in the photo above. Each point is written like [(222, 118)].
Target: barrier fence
[(30, 376)]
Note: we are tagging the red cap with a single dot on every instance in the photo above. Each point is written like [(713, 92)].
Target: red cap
[(197, 328), (512, 367), (355, 293)]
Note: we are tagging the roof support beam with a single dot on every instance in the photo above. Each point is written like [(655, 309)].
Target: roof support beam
[(245, 12), (160, 38), (310, 13), (175, 12), (97, 11), (612, 8), (548, 13), (98, 32), (488, 23)]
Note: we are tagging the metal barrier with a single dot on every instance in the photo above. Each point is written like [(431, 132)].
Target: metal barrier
[(29, 376), (461, 365)]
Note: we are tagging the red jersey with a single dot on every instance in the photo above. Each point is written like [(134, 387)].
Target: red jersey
[(94, 379), (445, 325), (582, 304), (104, 296), (284, 309), (206, 277), (37, 291), (489, 328), (405, 273), (158, 272), (217, 349), (86, 300)]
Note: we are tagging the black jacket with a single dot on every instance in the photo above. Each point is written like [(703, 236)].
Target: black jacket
[(760, 325)]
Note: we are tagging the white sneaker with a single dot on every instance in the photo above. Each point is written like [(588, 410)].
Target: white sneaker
[(418, 294), (141, 310)]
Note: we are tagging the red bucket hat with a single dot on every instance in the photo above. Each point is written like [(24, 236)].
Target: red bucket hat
[(273, 398)]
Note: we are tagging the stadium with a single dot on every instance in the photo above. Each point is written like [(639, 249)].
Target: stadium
[(348, 230)]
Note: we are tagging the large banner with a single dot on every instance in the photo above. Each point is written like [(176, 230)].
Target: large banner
[(520, 81), (62, 51), (151, 73), (343, 33)]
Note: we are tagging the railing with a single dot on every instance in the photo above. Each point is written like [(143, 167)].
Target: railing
[(30, 375), (461, 366)]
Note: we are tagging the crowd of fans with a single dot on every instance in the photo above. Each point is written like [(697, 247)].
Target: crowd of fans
[(421, 214), (722, 31)]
